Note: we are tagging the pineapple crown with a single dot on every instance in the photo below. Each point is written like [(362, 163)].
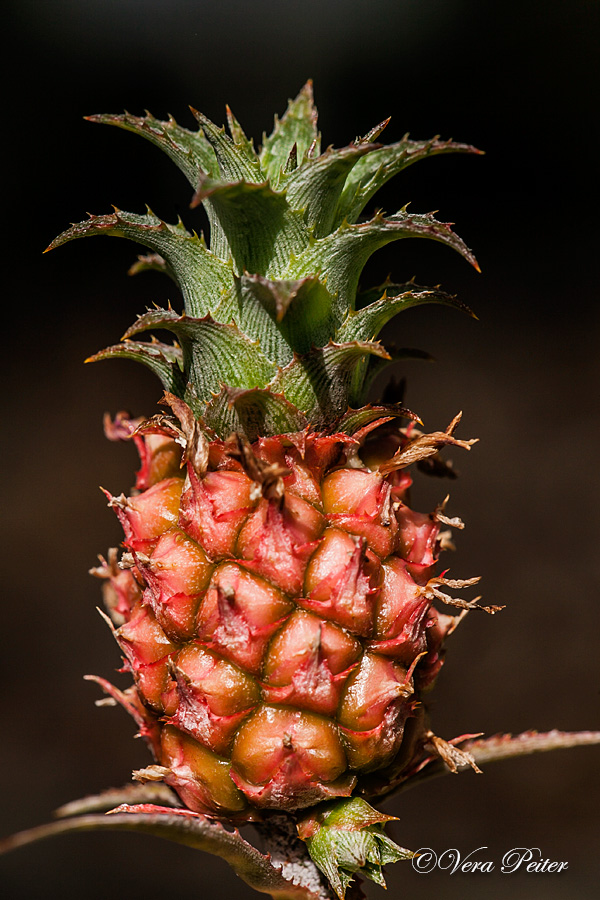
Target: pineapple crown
[(275, 335)]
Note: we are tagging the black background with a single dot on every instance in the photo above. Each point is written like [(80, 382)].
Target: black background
[(520, 80)]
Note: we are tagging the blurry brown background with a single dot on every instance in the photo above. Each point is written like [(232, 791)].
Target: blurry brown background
[(519, 80)]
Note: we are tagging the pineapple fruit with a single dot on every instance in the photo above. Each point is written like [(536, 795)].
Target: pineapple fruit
[(277, 601), (274, 600)]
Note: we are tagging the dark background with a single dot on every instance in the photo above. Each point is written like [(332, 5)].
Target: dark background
[(519, 80)]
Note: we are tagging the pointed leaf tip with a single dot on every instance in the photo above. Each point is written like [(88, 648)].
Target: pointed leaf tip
[(375, 132), (298, 125)]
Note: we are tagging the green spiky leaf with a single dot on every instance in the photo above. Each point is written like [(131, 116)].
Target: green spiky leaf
[(340, 257), (260, 228), (163, 360), (319, 382), (238, 135), (244, 305), (355, 419), (299, 314), (252, 413), (295, 134), (236, 161), (286, 317), (189, 150), (201, 276), (366, 323), (372, 172), (315, 188), (213, 352)]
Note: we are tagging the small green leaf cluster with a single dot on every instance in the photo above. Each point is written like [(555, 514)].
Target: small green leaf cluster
[(348, 839)]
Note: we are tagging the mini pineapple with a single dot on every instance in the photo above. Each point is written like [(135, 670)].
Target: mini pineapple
[(275, 602)]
